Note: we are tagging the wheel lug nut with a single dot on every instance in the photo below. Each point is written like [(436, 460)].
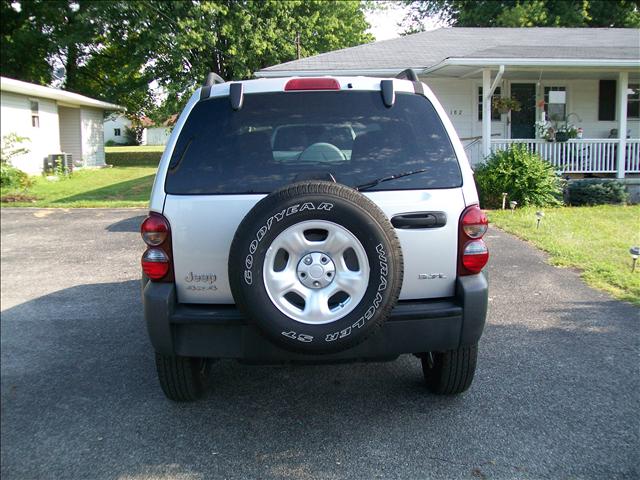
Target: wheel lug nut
[(323, 260), (307, 261), (316, 284)]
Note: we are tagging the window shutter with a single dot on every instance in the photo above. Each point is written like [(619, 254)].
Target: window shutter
[(607, 100)]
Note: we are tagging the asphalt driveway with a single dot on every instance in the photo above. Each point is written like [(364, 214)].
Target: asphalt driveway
[(556, 395)]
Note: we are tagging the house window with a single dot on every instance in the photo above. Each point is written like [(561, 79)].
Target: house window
[(555, 103), (607, 100), (495, 113), (116, 132), (633, 101), (35, 114)]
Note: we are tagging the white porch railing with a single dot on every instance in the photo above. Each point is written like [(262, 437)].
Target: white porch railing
[(596, 155), (473, 149)]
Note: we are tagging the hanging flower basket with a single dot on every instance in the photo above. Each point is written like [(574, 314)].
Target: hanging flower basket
[(506, 104), (566, 132)]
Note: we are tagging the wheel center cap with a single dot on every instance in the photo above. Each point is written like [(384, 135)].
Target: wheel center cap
[(316, 270)]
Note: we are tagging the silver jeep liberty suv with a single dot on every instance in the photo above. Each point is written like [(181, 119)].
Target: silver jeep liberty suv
[(314, 220)]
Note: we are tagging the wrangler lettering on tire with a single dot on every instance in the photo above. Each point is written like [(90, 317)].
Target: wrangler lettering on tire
[(316, 266)]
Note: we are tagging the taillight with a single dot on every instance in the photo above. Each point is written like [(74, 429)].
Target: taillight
[(474, 222), (154, 229), (156, 260), (155, 263), (312, 84), (473, 253), (475, 256)]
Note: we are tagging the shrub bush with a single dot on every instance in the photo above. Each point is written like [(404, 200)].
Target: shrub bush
[(525, 176), (596, 192), (133, 159), (13, 179), (133, 135)]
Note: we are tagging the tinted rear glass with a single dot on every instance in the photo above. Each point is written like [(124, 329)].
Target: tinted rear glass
[(279, 138)]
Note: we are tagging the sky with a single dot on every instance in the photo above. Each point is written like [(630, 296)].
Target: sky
[(384, 23)]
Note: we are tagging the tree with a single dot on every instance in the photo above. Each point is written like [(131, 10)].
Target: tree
[(23, 30), (75, 37), (149, 55), (235, 38), (525, 13)]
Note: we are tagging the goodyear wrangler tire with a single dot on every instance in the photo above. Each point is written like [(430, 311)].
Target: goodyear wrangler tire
[(316, 266)]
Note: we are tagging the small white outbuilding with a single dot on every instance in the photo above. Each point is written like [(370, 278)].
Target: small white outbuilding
[(54, 121), (116, 125)]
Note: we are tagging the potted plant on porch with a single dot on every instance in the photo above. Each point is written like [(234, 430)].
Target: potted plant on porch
[(545, 130), (506, 104), (565, 132), (551, 132)]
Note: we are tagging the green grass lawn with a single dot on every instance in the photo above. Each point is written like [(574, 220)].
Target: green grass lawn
[(106, 187), (595, 240), (141, 156), (139, 148)]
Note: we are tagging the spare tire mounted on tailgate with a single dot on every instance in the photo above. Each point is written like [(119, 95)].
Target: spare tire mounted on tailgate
[(316, 266)]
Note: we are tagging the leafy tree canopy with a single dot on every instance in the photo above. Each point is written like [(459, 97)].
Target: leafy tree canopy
[(149, 55), (525, 13)]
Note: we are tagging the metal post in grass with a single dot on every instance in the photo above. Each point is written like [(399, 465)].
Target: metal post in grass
[(539, 215), (504, 200), (635, 253), (512, 205)]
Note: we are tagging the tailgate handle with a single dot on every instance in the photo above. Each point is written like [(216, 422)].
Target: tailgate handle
[(419, 220)]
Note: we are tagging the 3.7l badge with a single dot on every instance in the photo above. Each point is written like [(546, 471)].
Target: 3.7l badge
[(430, 276)]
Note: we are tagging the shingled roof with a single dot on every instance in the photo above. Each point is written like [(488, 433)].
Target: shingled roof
[(427, 49)]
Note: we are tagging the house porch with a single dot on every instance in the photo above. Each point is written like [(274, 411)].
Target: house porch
[(602, 101)]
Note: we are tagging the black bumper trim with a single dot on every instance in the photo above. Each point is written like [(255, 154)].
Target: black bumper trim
[(230, 315), (221, 331)]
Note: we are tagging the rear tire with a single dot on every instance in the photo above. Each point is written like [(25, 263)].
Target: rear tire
[(451, 372), (182, 379)]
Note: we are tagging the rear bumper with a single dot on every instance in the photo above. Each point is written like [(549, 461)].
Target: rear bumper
[(221, 331)]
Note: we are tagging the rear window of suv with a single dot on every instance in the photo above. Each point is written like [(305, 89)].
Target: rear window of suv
[(279, 138)]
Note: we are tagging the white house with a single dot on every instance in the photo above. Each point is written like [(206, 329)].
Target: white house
[(158, 134), (54, 121), (589, 77), (115, 127)]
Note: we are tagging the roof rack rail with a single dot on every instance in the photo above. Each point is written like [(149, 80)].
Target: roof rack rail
[(408, 74), (212, 78)]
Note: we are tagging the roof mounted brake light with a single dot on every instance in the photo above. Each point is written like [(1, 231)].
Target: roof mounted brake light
[(312, 84)]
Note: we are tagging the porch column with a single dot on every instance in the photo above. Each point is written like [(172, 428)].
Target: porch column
[(486, 112), (623, 86)]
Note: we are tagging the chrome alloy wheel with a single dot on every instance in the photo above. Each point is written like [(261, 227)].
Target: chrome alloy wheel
[(316, 272)]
